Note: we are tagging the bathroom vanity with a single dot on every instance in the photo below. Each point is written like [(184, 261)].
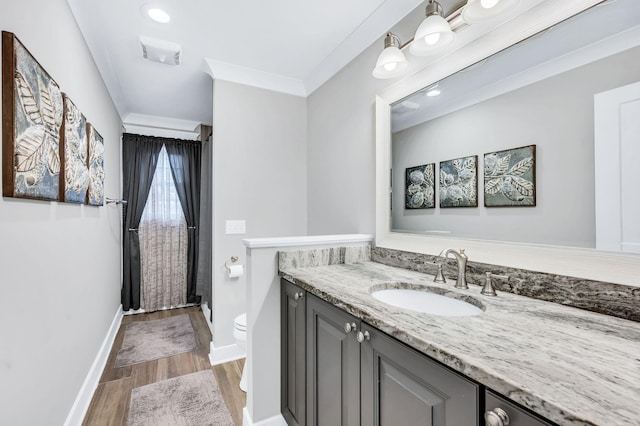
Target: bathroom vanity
[(350, 359)]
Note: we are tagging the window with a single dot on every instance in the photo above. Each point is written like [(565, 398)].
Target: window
[(163, 205)]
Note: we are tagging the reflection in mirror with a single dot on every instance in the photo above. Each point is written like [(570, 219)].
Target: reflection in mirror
[(540, 94)]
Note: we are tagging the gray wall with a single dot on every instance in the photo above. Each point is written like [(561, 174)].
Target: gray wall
[(341, 150), (259, 176), (341, 142), (59, 263), (556, 115)]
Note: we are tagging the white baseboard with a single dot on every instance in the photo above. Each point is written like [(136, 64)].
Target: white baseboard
[(81, 404), (207, 315), (223, 354), (276, 420)]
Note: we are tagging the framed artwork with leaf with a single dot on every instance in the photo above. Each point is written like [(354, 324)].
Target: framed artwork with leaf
[(95, 194), (75, 151), (510, 177), (420, 187), (459, 182), (32, 110)]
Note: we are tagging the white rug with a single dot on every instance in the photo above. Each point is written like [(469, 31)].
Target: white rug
[(190, 400), (148, 340)]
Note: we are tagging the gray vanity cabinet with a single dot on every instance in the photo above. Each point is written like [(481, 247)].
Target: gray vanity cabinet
[(517, 416), (293, 354), (403, 387), (339, 371), (333, 366)]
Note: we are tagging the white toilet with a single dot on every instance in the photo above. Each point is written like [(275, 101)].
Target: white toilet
[(240, 334)]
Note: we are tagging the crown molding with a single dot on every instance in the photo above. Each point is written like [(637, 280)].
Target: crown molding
[(219, 70)]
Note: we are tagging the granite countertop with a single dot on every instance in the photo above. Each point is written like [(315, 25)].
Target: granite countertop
[(571, 366)]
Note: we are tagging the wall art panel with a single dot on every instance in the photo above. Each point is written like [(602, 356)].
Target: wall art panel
[(459, 182), (420, 187), (95, 195), (32, 110), (510, 177), (75, 180)]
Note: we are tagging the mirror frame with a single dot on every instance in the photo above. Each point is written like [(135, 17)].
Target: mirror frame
[(591, 264)]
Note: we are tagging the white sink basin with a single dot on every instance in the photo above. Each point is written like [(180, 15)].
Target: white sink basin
[(426, 302)]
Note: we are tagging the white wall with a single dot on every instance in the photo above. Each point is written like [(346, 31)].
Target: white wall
[(259, 176), (555, 114), (59, 263)]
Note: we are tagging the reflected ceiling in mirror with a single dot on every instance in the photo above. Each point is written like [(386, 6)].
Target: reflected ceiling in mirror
[(542, 92)]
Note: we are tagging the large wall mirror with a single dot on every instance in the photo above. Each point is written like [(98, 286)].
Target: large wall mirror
[(569, 94)]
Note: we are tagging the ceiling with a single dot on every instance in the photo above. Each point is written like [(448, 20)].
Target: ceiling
[(284, 45)]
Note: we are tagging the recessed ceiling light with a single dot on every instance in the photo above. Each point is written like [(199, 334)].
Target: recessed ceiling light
[(158, 15), (433, 91)]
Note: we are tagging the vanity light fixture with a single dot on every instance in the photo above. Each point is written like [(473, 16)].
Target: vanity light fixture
[(159, 15), (484, 10), (391, 62), (434, 33)]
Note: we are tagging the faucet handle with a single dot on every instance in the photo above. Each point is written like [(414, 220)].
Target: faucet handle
[(439, 278), (489, 289)]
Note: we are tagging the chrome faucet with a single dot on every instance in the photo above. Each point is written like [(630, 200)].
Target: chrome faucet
[(461, 258)]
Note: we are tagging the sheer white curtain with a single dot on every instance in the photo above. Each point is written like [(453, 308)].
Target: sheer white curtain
[(163, 243)]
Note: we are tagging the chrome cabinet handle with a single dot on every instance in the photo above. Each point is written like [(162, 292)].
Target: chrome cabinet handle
[(298, 296), (361, 337), (349, 327), (496, 417)]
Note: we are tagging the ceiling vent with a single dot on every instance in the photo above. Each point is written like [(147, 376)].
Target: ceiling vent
[(161, 51)]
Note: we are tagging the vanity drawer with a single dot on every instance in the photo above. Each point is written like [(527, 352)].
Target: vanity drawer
[(517, 416)]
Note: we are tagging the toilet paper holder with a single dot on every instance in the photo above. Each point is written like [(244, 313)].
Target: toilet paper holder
[(234, 259)]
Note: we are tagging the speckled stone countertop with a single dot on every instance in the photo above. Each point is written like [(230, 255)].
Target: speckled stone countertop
[(571, 366)]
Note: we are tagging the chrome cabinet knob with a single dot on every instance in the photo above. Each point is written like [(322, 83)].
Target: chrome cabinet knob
[(496, 417), (349, 327), (361, 337), (298, 296)]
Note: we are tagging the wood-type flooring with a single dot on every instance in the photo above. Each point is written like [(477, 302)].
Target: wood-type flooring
[(110, 403)]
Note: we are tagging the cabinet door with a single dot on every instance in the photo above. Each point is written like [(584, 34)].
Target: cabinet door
[(517, 416), (333, 366), (403, 387), (293, 333)]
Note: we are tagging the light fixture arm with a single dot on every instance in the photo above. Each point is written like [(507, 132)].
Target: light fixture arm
[(434, 8), (392, 40)]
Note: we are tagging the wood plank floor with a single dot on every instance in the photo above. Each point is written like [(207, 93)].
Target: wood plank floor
[(110, 403)]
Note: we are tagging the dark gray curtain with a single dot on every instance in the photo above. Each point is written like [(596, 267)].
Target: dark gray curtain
[(184, 159), (139, 161), (205, 234)]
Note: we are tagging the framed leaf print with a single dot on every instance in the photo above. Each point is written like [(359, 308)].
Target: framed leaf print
[(459, 182), (31, 119), (74, 150), (95, 195), (420, 187), (510, 177)]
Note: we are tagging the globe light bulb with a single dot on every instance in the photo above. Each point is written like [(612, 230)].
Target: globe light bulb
[(432, 39), (488, 4), (390, 66)]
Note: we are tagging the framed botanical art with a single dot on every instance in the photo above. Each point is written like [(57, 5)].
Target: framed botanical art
[(420, 187), (95, 194), (74, 182), (510, 177), (459, 182), (32, 110)]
